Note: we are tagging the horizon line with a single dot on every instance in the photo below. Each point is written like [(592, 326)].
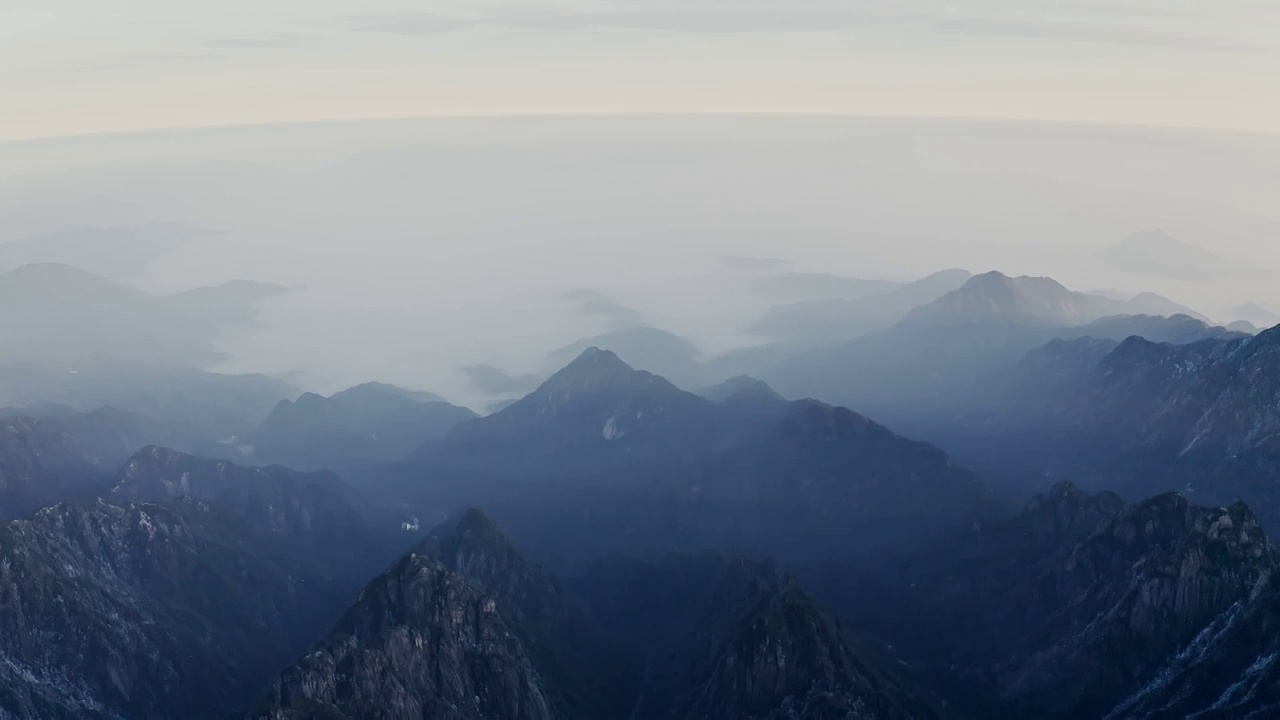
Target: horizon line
[(622, 114)]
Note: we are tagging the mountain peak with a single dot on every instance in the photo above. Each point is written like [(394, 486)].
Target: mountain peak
[(473, 540), (596, 372), (595, 357), (474, 523), (994, 297), (741, 388), (381, 391)]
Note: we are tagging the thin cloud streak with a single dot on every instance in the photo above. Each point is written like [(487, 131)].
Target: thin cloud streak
[(804, 19), (126, 61), (280, 40)]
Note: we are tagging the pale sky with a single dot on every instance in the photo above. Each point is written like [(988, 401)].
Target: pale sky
[(85, 66)]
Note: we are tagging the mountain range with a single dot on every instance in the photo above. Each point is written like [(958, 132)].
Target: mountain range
[(463, 626), (1080, 606), (711, 555), (368, 423), (933, 357), (199, 406), (1135, 416), (181, 590), (1157, 254), (55, 315), (603, 454)]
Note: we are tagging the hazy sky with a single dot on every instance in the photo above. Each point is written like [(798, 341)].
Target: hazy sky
[(419, 247), (83, 66)]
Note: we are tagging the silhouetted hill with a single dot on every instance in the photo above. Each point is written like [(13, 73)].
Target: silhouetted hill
[(595, 413), (1256, 315), (657, 351), (992, 298), (193, 404), (1156, 254), (367, 423), (810, 479), (928, 364), (56, 314), (831, 320), (120, 252), (741, 389), (1175, 329)]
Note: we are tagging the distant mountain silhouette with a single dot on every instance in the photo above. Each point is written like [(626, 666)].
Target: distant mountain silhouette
[(1149, 303), (1256, 315), (1243, 326), (121, 252), (1140, 418), (496, 381), (992, 298), (594, 302), (832, 320), (595, 412), (657, 351), (909, 372), (1155, 253), (741, 389), (1175, 329), (742, 263), (194, 404), (231, 302), (56, 314), (797, 286), (372, 422)]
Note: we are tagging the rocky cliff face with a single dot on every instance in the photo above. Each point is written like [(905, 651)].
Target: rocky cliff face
[(40, 464), (1078, 602), (421, 641), (65, 456), (277, 499), (763, 649), (146, 610), (464, 627)]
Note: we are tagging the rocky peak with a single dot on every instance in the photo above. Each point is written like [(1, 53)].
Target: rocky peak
[(596, 382), (764, 649), (1066, 512), (420, 641), (463, 615), (594, 366), (159, 610), (473, 545), (274, 498)]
